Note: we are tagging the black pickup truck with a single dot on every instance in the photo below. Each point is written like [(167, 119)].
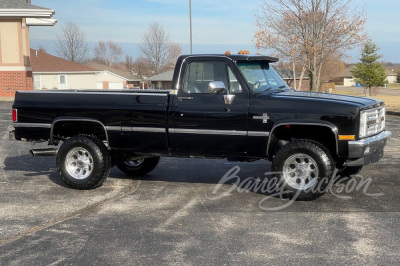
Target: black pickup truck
[(219, 106)]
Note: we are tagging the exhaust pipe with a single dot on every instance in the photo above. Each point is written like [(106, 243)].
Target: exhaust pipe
[(43, 152)]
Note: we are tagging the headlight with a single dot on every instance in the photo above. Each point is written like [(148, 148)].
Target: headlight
[(372, 121), (363, 124)]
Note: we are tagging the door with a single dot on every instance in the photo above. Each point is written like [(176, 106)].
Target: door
[(116, 86), (37, 82), (202, 123), (62, 84)]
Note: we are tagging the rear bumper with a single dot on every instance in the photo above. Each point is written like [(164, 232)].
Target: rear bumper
[(369, 150), (11, 133)]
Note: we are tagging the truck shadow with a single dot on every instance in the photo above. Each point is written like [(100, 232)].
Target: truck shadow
[(250, 176), (237, 175), (26, 167), (207, 171)]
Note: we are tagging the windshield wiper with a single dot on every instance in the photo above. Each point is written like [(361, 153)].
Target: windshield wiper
[(281, 88), (267, 89)]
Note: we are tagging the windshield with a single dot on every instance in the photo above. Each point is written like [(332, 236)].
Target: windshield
[(260, 76)]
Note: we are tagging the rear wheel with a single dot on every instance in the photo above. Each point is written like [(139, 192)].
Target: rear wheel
[(83, 162), (302, 169), (138, 167)]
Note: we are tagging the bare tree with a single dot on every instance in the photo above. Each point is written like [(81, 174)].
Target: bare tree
[(175, 50), (100, 52), (332, 68), (309, 31), (141, 67), (157, 49), (108, 53), (115, 52), (129, 62), (71, 43), (42, 49)]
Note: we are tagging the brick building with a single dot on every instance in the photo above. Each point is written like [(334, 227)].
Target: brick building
[(15, 67)]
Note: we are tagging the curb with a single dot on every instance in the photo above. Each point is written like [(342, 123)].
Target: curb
[(396, 113), (6, 99)]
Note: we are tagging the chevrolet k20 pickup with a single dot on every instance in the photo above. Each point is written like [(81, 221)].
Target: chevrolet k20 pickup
[(219, 106)]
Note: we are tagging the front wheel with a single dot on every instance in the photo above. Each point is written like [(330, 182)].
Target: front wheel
[(302, 169), (138, 167), (83, 162)]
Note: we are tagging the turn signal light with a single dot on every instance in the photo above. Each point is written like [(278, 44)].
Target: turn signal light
[(347, 137), (14, 115)]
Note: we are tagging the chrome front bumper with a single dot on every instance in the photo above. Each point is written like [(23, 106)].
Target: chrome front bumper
[(369, 150)]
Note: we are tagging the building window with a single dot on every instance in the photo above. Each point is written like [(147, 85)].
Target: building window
[(62, 85), (36, 82), (159, 85)]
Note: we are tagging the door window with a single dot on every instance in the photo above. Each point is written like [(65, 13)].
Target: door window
[(198, 75)]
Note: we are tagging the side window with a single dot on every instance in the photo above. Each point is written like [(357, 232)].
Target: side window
[(234, 85), (199, 74)]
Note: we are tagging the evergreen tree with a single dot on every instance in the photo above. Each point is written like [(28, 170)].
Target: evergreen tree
[(369, 72)]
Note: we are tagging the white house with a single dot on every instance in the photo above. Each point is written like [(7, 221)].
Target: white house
[(348, 79), (51, 72), (111, 78), (161, 81)]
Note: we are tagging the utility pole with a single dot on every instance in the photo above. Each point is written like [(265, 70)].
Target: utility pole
[(190, 14)]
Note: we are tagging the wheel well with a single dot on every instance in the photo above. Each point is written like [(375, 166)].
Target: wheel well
[(287, 133), (64, 129)]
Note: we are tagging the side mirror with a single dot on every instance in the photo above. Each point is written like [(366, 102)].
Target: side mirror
[(216, 87)]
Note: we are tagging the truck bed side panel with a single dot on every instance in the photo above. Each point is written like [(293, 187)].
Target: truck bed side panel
[(119, 112)]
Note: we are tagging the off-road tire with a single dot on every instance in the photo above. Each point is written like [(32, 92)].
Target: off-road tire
[(302, 169), (141, 168), (83, 162)]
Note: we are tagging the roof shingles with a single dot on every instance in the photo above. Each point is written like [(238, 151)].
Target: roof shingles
[(42, 62), (121, 73), (18, 4)]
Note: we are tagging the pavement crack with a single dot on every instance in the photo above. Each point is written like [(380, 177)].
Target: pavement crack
[(130, 189)]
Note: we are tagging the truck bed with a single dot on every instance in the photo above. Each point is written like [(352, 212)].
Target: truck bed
[(119, 112)]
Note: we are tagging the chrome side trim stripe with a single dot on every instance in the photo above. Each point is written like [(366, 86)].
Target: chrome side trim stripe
[(136, 129), (258, 134), (190, 131), (117, 128), (112, 92), (207, 132), (31, 125), (148, 129), (219, 132)]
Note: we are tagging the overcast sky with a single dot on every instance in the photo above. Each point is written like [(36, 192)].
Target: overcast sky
[(218, 25)]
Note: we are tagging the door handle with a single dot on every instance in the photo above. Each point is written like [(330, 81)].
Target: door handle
[(185, 98)]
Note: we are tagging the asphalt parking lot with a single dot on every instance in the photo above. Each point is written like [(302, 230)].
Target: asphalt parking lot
[(179, 215)]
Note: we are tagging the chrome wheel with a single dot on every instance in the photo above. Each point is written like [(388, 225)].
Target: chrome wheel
[(134, 163), (79, 163), (300, 171)]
